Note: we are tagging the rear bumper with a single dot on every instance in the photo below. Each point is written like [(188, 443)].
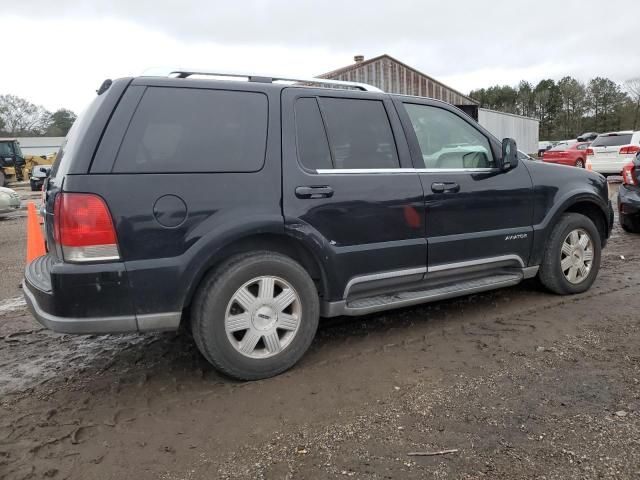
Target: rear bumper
[(629, 200), (83, 299)]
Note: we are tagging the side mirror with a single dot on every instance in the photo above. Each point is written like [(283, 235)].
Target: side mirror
[(509, 157)]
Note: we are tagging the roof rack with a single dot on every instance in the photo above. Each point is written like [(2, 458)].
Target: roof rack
[(187, 72)]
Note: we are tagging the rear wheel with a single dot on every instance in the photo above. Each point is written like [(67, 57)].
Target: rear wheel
[(580, 163), (629, 224), (255, 316), (34, 185), (572, 256), (3, 179)]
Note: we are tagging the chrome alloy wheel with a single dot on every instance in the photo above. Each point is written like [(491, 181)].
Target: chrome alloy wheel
[(576, 257), (263, 317)]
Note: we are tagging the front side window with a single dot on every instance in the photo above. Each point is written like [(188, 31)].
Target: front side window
[(447, 141), (186, 130)]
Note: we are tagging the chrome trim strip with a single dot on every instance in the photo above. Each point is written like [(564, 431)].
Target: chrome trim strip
[(530, 272), (381, 276), (370, 171), (159, 321), (430, 297), (472, 263)]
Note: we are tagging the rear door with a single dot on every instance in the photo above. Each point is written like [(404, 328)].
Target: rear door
[(476, 214), (349, 187)]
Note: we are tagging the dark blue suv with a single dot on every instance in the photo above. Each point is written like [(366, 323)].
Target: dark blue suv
[(252, 208)]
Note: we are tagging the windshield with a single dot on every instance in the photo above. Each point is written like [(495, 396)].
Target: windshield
[(6, 149), (612, 140)]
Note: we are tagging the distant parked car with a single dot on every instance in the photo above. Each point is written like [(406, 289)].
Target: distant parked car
[(9, 201), (574, 155), (629, 196), (543, 147), (587, 137), (38, 175), (610, 152)]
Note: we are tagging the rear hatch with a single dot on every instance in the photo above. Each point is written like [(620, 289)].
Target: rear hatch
[(77, 151), (606, 148)]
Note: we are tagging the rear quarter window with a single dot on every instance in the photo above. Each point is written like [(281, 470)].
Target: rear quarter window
[(176, 130), (612, 140)]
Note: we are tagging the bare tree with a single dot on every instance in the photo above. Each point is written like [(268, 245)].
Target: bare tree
[(21, 117), (632, 86)]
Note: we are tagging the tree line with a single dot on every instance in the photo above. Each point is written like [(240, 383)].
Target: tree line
[(21, 118), (569, 107)]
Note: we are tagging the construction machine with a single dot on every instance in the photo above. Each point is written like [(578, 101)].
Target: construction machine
[(11, 161)]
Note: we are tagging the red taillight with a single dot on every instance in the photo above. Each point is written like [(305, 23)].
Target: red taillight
[(629, 150), (84, 229), (589, 151), (629, 174)]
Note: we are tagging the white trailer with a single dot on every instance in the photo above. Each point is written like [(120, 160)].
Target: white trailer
[(523, 129)]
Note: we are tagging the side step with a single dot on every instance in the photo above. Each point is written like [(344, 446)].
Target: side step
[(377, 303)]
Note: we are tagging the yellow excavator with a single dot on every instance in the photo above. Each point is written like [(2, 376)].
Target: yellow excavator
[(11, 161), (14, 166)]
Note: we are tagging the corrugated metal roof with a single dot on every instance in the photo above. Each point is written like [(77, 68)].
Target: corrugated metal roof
[(400, 79)]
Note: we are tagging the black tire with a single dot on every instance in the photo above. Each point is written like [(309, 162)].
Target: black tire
[(551, 274), (3, 180), (34, 185), (580, 163), (629, 225), (210, 306)]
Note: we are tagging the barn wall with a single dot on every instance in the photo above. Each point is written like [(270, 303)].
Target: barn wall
[(396, 78)]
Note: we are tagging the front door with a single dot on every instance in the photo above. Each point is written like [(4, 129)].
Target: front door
[(348, 184), (476, 214)]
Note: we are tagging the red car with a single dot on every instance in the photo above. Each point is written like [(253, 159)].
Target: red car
[(574, 155)]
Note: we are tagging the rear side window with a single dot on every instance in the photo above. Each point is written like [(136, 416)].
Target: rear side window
[(313, 148), (195, 130), (359, 133), (612, 140)]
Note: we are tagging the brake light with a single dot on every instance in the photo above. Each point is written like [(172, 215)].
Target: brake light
[(629, 174), (84, 229), (629, 150), (589, 151)]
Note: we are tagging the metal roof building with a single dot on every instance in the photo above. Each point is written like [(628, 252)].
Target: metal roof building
[(393, 76)]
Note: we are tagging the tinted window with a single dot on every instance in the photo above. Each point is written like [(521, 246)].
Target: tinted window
[(447, 141), (612, 140), (359, 133), (193, 130), (313, 148)]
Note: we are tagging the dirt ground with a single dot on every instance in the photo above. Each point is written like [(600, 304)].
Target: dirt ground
[(521, 383)]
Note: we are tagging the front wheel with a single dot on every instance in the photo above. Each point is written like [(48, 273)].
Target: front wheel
[(255, 316), (572, 256)]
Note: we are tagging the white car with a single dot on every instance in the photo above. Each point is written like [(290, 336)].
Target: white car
[(610, 152), (9, 201)]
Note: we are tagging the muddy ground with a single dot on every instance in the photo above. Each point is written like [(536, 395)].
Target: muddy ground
[(522, 383)]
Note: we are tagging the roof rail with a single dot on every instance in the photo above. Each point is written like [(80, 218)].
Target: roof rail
[(187, 72)]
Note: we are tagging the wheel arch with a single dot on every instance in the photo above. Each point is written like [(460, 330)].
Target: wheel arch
[(585, 203), (273, 242)]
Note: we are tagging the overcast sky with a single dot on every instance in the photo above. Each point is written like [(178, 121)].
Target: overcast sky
[(61, 50)]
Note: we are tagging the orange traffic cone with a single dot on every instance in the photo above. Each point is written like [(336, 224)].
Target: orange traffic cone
[(35, 239)]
